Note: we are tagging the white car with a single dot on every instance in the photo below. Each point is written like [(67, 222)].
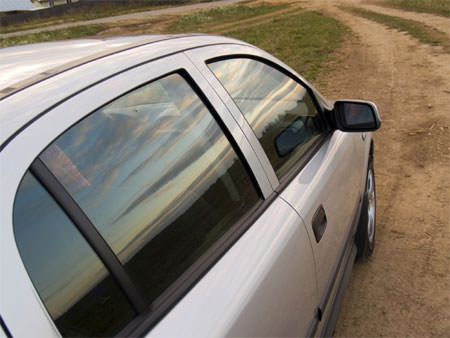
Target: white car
[(176, 186)]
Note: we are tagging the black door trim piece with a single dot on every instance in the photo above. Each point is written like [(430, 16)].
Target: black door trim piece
[(89, 232), (5, 328), (314, 324), (336, 302)]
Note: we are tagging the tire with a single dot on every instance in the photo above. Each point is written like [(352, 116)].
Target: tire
[(365, 234)]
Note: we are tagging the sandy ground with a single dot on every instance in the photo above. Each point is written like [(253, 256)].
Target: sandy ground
[(403, 290)]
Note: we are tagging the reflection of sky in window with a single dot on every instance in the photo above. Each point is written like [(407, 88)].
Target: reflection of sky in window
[(135, 164), (52, 249), (262, 93)]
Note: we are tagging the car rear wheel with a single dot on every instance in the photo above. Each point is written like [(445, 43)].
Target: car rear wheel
[(365, 235)]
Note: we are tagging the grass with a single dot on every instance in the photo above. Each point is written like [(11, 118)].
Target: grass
[(440, 7), (207, 19), (59, 34), (306, 41), (420, 31), (96, 11)]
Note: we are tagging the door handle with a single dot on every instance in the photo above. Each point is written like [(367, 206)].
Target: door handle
[(319, 223)]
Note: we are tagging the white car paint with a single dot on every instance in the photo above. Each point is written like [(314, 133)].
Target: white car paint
[(270, 282)]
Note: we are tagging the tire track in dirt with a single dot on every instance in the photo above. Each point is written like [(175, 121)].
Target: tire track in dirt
[(403, 289), (435, 21), (224, 29)]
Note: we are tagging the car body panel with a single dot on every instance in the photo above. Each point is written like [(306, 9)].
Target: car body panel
[(273, 278), (253, 289), (328, 180), (24, 62)]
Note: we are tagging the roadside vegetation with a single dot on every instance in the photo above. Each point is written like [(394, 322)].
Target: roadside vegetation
[(305, 41), (440, 7), (59, 34), (95, 11), (207, 20), (418, 30)]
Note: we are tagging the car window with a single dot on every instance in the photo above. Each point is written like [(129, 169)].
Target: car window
[(77, 290), (157, 177), (280, 110)]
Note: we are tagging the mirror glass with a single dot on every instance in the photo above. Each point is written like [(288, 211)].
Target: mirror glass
[(358, 115)]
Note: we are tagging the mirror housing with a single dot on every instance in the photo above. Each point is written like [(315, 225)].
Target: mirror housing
[(356, 116)]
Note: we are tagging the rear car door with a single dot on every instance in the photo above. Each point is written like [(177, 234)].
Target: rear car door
[(316, 171), (145, 203)]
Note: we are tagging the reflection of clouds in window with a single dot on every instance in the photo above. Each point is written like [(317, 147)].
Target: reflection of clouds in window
[(160, 205), (144, 160), (271, 102), (61, 264), (261, 92)]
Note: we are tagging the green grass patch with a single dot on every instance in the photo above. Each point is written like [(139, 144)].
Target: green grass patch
[(59, 34), (440, 7), (306, 41), (207, 19), (420, 31)]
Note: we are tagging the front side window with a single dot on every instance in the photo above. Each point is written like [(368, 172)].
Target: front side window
[(157, 177), (280, 110)]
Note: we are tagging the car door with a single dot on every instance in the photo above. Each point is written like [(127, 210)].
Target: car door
[(316, 171), (167, 231)]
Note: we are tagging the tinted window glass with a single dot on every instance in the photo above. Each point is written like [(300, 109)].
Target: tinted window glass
[(77, 290), (280, 110), (157, 177)]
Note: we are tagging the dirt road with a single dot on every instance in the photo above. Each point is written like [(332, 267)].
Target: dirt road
[(404, 288)]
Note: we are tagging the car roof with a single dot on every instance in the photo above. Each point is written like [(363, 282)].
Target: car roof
[(25, 64), (44, 74)]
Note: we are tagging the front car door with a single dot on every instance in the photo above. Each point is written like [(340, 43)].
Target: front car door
[(318, 172)]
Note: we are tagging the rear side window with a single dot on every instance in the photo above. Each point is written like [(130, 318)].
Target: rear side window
[(280, 110), (157, 177), (77, 290)]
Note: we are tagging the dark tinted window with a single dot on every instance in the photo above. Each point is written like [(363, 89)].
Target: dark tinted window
[(157, 177), (279, 109), (77, 290)]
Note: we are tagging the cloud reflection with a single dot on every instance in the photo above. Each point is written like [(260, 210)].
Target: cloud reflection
[(139, 163)]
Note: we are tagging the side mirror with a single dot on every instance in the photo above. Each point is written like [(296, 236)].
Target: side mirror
[(356, 116)]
